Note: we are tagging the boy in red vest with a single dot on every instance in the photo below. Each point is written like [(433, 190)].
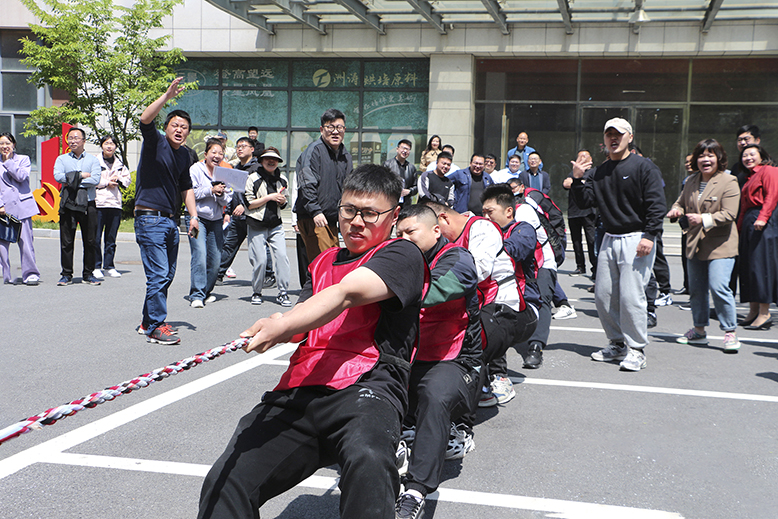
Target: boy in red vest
[(446, 373), (344, 394)]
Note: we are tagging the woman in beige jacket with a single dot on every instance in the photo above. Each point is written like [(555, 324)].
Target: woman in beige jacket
[(707, 208)]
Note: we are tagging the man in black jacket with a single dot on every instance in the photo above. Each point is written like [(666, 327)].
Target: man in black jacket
[(320, 172), (400, 166), (628, 191)]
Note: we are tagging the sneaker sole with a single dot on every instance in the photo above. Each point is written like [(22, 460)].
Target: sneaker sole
[(694, 342), (569, 316), (732, 349), (612, 359), (162, 341), (633, 368), (507, 398), (488, 403)]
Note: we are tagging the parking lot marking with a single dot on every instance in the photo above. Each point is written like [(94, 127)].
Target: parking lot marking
[(663, 335), (84, 433), (646, 389), (559, 508)]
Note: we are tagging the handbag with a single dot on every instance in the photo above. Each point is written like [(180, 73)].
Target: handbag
[(10, 228)]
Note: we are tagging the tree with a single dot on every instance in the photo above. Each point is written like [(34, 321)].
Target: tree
[(102, 56)]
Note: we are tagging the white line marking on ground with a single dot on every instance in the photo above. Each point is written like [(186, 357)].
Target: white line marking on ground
[(557, 508), (75, 437), (645, 389), (661, 334)]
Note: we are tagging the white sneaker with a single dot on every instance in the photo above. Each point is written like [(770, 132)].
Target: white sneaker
[(98, 274), (565, 312), (664, 300), (32, 280), (634, 361), (230, 273), (613, 351), (460, 442), (502, 389), (210, 299), (114, 273), (197, 303)]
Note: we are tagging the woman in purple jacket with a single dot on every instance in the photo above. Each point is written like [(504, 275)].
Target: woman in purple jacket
[(16, 199)]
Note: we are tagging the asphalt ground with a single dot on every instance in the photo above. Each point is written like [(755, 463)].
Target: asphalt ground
[(693, 435)]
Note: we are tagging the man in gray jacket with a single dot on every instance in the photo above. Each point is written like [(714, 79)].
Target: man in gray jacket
[(320, 172)]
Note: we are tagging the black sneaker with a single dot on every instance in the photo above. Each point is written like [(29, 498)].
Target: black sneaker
[(651, 319), (270, 281), (578, 272), (534, 356), (65, 280), (408, 506), (91, 280), (283, 300), (163, 335), (256, 299)]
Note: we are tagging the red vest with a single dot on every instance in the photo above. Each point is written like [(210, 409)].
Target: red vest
[(487, 289), (521, 279), (442, 327), (338, 353)]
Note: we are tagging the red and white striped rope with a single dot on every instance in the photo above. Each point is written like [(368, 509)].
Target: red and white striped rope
[(50, 416)]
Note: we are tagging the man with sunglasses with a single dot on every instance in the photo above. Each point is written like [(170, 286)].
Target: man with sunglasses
[(320, 172)]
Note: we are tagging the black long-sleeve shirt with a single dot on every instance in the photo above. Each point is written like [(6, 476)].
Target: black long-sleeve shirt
[(628, 193)]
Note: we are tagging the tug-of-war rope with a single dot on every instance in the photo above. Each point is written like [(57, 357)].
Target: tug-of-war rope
[(50, 416)]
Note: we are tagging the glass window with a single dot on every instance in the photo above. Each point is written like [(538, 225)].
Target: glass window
[(18, 94), (327, 74), (205, 72), (552, 132), (721, 122), (396, 74), (202, 106), (395, 110), (634, 80), (658, 134), (10, 47), (307, 107), (735, 80), (390, 140), (551, 80), (25, 145), (255, 73), (244, 108)]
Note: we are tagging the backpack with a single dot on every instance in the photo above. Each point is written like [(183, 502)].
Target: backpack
[(551, 219)]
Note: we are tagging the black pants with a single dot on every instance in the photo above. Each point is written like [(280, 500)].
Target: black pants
[(439, 393), (302, 260), (290, 435), (585, 224), (683, 264), (233, 238), (68, 221), (661, 268), (503, 331)]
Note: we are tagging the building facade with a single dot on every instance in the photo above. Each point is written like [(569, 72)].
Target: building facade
[(474, 72)]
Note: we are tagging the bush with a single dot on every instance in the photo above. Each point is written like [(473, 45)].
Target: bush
[(128, 198)]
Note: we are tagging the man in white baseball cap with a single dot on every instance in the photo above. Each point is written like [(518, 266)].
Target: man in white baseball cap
[(627, 189)]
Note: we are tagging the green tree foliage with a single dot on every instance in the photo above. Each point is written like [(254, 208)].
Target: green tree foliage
[(101, 54)]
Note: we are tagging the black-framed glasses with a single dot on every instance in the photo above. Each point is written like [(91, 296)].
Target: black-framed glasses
[(331, 128), (349, 212)]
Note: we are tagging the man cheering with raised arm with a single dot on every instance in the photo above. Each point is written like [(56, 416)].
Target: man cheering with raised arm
[(162, 181), (628, 191)]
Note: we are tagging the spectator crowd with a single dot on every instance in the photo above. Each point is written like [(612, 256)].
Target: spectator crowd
[(416, 279)]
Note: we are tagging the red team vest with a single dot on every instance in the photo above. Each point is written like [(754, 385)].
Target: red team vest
[(338, 353), (440, 323), (521, 278), (487, 289)]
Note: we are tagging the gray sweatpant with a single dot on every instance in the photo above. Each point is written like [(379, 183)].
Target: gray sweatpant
[(620, 289)]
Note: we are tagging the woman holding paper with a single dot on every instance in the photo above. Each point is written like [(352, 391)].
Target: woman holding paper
[(266, 191), (206, 245)]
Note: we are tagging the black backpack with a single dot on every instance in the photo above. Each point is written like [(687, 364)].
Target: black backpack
[(551, 219)]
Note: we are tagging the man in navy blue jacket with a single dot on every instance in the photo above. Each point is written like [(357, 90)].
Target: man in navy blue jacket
[(469, 183)]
